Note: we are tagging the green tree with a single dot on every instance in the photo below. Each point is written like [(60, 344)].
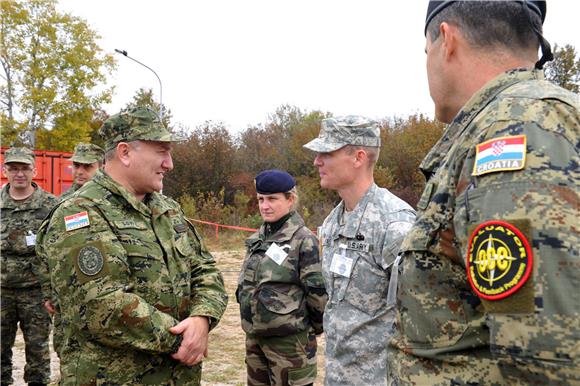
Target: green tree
[(52, 67), (145, 98), (564, 70)]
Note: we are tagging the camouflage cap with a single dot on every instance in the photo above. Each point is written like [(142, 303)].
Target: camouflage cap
[(338, 132), (87, 153), (135, 124), (19, 154)]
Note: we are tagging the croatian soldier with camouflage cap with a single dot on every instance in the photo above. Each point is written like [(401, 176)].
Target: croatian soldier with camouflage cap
[(489, 288), (281, 289), (24, 205), (86, 160), (138, 290), (360, 239)]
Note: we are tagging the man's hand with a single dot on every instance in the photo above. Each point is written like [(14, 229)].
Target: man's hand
[(447, 244), (193, 349), (49, 307)]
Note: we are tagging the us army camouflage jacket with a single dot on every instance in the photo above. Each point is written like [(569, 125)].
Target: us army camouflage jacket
[(356, 318), (124, 272), (20, 222), (285, 296), (505, 177)]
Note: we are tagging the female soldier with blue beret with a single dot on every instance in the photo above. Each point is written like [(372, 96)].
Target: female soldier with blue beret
[(281, 289)]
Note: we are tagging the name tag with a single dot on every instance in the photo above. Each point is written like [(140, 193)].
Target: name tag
[(341, 265), (358, 246), (30, 239), (277, 254)]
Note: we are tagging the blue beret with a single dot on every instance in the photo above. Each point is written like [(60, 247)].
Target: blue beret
[(274, 181)]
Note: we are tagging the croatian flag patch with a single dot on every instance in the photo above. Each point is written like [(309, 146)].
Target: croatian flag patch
[(76, 221), (500, 154)]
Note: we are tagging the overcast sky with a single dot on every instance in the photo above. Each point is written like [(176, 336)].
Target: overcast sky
[(237, 61)]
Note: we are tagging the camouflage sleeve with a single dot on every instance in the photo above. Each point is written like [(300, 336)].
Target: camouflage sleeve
[(207, 284), (313, 282), (40, 262), (395, 233), (91, 276), (540, 201)]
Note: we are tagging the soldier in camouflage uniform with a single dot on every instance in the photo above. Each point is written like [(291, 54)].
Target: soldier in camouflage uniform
[(360, 239), (281, 289), (24, 206), (87, 159), (488, 293), (137, 288)]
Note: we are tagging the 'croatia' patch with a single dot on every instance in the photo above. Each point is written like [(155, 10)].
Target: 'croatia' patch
[(76, 221), (499, 260), (500, 154)]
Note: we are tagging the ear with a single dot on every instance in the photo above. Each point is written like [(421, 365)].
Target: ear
[(34, 171), (360, 158), (4, 171), (123, 153), (448, 36)]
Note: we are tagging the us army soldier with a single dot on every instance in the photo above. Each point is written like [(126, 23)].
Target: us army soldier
[(137, 288), (24, 206), (488, 292), (360, 239)]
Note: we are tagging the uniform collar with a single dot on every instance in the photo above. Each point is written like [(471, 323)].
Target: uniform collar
[(471, 109), (286, 231), (152, 205), (351, 224), (8, 202)]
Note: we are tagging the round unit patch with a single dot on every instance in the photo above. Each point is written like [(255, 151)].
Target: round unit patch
[(90, 260), (499, 260)]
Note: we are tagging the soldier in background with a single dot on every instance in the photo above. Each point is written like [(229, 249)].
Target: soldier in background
[(86, 160), (138, 290), (281, 289), (24, 206), (489, 288), (360, 239)]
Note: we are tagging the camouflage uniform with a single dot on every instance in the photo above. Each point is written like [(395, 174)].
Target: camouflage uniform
[(454, 332), (21, 298), (281, 305), (124, 272), (357, 318), (84, 153)]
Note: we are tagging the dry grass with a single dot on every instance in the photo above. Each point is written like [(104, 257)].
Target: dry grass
[(225, 364)]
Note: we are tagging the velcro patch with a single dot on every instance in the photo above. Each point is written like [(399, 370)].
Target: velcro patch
[(76, 221), (90, 261), (500, 154), (499, 260)]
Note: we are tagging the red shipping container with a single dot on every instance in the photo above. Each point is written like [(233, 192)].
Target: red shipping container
[(53, 170)]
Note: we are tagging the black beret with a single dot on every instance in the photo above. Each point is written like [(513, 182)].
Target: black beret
[(274, 181), (434, 7)]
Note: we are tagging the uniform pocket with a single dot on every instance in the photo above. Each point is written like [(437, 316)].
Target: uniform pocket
[(278, 311), (367, 286), (302, 376)]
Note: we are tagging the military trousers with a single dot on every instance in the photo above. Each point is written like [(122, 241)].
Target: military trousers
[(281, 361), (24, 307)]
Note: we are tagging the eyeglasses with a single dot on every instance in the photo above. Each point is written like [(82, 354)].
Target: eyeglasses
[(16, 170)]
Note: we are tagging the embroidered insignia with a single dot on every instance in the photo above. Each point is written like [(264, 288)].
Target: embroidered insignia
[(90, 260), (76, 221), (499, 260), (500, 154)]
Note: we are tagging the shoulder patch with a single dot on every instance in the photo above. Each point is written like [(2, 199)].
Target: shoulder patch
[(76, 221), (499, 260), (500, 154), (90, 260)]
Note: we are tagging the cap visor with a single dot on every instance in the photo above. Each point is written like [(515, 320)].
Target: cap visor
[(320, 146)]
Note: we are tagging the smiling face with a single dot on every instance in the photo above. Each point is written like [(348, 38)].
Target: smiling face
[(82, 173), (274, 206), (19, 175), (149, 161)]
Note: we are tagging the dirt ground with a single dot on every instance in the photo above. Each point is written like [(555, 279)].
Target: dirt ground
[(225, 364)]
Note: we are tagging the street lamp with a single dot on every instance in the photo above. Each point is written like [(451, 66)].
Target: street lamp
[(124, 53)]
